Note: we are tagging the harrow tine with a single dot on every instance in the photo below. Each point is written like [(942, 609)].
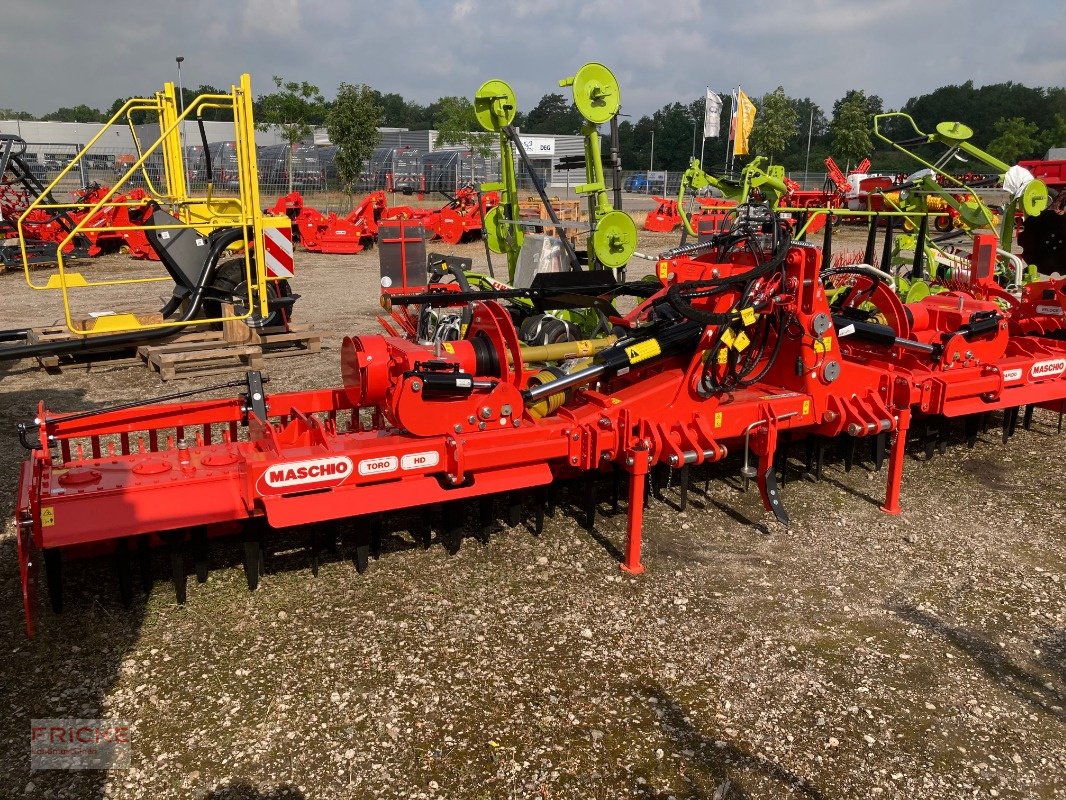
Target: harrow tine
[(973, 424), (819, 458), (144, 559), (943, 433), (314, 550), (451, 528), (1010, 422), (253, 559), (376, 529), (682, 487), (1027, 420), (880, 444), (591, 500), (199, 548), (928, 439), (361, 559), (540, 501), (177, 568), (850, 444), (53, 573), (514, 511), (425, 527), (484, 518), (124, 571)]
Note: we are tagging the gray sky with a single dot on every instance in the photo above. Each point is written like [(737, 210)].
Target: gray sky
[(63, 52)]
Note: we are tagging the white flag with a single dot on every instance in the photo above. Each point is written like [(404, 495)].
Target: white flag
[(712, 115)]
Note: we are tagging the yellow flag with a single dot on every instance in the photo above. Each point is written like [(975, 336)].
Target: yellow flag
[(745, 119)]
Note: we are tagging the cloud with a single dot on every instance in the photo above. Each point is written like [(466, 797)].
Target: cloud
[(424, 49)]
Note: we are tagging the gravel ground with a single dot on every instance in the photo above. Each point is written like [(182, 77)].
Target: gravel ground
[(851, 655)]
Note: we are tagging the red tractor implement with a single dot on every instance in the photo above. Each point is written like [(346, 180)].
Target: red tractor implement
[(744, 346), (352, 233), (664, 218)]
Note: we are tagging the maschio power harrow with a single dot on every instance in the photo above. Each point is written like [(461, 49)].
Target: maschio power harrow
[(744, 343)]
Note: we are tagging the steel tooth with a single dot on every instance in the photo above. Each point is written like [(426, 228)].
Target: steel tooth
[(361, 558), (514, 511), (425, 527), (253, 562), (850, 443), (1010, 422), (771, 493), (199, 545), (53, 573), (314, 550), (783, 454), (451, 527), (1027, 420), (880, 445), (540, 501), (177, 571), (986, 421), (943, 433), (591, 500), (928, 440), (485, 512), (124, 571), (377, 527), (819, 458), (973, 425), (682, 486), (550, 499), (144, 558)]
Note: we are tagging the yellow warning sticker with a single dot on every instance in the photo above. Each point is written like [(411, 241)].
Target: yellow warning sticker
[(642, 351), (747, 315), (742, 341), (718, 419), (48, 517), (723, 355), (728, 337), (664, 270), (449, 348), (806, 407), (584, 347)]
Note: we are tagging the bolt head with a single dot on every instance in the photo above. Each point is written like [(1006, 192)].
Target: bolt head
[(458, 428), (416, 386)]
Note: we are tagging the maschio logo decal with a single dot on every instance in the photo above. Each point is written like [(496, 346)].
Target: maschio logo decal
[(312, 472), (1047, 369)]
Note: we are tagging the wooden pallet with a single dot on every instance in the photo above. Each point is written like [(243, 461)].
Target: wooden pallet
[(215, 354), (565, 210), (56, 334)]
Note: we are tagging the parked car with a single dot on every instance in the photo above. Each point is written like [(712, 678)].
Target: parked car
[(639, 182)]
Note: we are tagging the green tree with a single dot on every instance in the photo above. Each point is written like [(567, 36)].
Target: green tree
[(850, 128), (294, 109), (456, 124), (1015, 139), (79, 113), (1056, 135), (352, 125), (10, 113), (775, 124), (553, 114)]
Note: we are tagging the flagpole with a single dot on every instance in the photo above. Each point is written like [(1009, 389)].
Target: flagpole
[(703, 141), (735, 129), (807, 165)]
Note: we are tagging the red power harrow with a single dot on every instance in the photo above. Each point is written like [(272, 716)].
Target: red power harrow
[(460, 219), (744, 346)]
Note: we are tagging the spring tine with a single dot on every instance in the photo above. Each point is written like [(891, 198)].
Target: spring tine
[(124, 571), (53, 573), (377, 525), (199, 552), (1027, 420), (144, 563)]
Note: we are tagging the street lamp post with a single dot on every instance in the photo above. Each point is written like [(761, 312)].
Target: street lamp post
[(181, 105)]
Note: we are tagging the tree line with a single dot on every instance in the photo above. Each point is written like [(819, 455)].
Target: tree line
[(1010, 120)]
